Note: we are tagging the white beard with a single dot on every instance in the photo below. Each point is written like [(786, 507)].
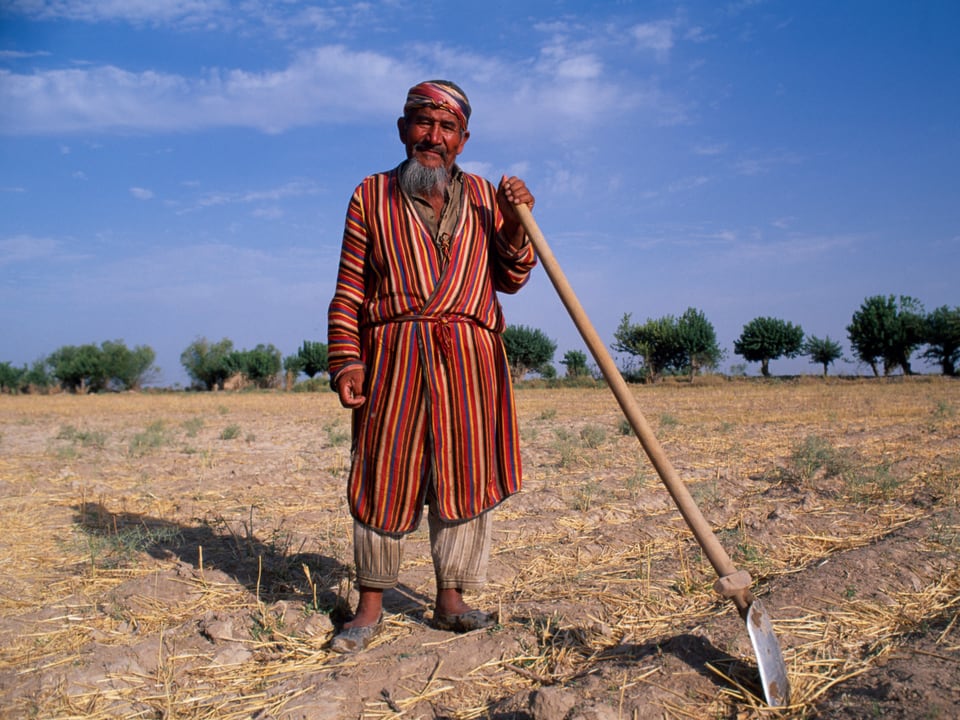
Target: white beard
[(415, 179)]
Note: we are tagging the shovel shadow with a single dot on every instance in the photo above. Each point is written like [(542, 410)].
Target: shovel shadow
[(698, 653)]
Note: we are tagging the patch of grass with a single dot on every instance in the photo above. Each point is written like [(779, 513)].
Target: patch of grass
[(593, 436), (566, 446), (624, 427), (84, 438), (337, 434), (230, 432), (817, 454), (583, 499), (705, 493), (668, 421), (870, 483), (192, 426), (154, 437), (548, 414), (944, 411), (120, 547)]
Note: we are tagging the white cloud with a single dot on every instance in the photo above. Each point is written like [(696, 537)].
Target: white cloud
[(141, 193), (21, 55), (26, 248), (327, 84), (762, 164), (709, 149), (133, 11), (656, 36), (295, 188)]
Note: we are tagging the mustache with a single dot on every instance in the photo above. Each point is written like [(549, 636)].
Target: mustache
[(429, 147)]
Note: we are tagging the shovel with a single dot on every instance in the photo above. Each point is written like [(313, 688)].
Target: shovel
[(732, 583)]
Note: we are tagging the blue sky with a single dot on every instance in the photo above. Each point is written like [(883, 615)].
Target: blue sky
[(171, 169)]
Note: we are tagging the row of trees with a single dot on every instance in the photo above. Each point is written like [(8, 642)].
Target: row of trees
[(209, 365), (884, 333), (84, 368)]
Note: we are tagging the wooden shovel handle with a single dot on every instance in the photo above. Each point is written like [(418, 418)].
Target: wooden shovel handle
[(678, 490)]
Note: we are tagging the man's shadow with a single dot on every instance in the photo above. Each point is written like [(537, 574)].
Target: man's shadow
[(271, 567)]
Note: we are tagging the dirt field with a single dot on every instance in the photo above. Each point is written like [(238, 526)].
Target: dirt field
[(179, 555)]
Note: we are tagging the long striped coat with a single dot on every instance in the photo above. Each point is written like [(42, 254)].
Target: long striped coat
[(440, 404)]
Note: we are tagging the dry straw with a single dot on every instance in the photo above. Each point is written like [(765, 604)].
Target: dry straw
[(596, 578)]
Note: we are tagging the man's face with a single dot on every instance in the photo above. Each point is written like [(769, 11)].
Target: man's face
[(432, 136)]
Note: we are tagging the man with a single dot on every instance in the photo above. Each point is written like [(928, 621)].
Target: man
[(415, 350)]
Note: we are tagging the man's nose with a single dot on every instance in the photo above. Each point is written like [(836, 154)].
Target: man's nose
[(435, 135)]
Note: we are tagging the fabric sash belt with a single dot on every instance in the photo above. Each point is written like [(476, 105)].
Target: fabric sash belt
[(442, 333)]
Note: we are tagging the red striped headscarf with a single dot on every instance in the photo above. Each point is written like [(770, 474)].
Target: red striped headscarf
[(441, 94)]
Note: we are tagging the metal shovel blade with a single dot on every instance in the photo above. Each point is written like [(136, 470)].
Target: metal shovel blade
[(773, 671)]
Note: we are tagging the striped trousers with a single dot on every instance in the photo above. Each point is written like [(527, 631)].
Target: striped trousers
[(460, 551)]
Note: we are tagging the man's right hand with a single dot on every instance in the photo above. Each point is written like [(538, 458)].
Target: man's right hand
[(350, 388)]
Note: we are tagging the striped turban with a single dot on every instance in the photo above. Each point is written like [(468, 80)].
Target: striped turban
[(441, 94)]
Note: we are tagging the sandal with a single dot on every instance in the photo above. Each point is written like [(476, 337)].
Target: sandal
[(350, 640), (465, 622)]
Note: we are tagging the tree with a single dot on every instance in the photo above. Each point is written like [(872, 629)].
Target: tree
[(125, 368), (765, 338), (657, 343), (942, 335), (11, 377), (699, 341), (527, 349), (37, 377), (79, 368), (887, 329), (208, 364), (824, 351), (313, 356), (260, 365), (576, 363)]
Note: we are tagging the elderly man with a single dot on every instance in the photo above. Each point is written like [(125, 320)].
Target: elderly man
[(416, 352)]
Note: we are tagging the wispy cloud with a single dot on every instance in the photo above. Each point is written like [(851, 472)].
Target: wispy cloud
[(21, 55), (26, 248), (297, 188), (656, 36), (141, 193), (132, 11)]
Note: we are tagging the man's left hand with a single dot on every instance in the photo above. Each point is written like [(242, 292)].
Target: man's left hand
[(513, 191)]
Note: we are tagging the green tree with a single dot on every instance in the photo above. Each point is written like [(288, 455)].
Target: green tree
[(887, 329), (314, 357), (260, 365), (765, 338), (79, 368), (125, 368), (657, 343), (37, 377), (208, 364), (823, 352), (527, 349), (576, 363), (699, 342), (11, 378), (942, 336)]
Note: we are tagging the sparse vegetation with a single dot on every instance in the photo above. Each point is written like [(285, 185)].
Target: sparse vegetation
[(851, 539)]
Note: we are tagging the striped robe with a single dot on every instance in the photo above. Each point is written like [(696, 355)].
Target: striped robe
[(440, 404)]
